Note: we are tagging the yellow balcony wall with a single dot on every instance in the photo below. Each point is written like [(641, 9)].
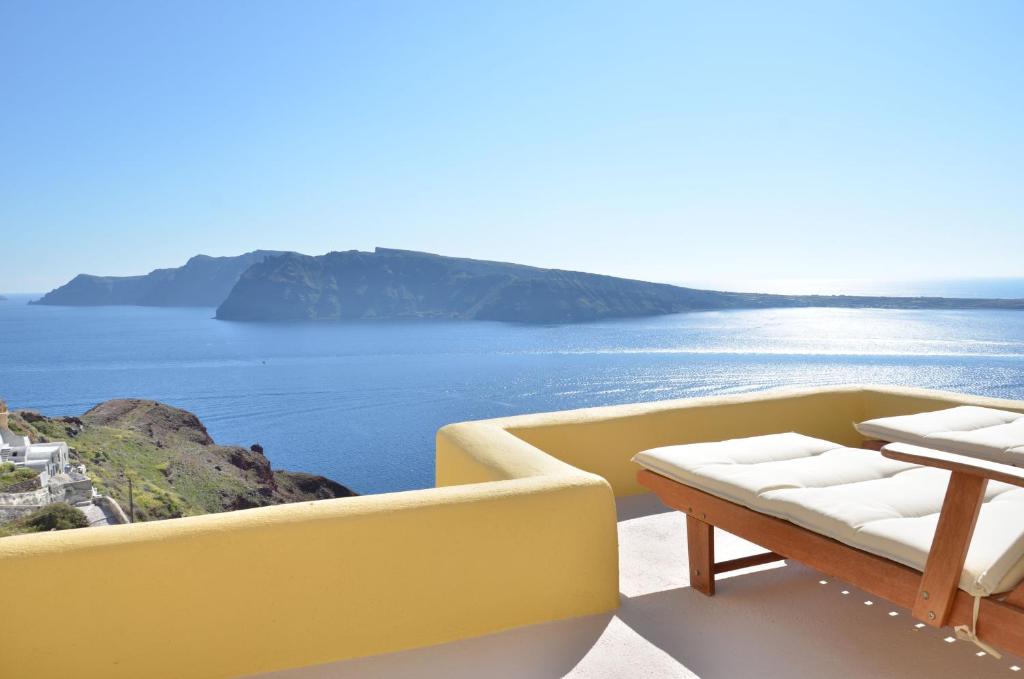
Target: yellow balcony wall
[(521, 531)]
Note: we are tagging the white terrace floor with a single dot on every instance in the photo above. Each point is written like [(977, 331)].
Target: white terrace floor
[(780, 620)]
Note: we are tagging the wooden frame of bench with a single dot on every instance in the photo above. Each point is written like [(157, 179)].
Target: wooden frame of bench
[(933, 597)]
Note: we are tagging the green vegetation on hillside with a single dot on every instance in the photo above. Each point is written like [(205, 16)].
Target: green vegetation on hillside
[(57, 516), (12, 478), (174, 466)]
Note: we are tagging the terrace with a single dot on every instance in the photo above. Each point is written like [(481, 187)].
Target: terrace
[(780, 620), (537, 555)]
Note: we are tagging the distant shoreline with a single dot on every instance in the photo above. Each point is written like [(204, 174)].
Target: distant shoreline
[(966, 288), (960, 288), (389, 283)]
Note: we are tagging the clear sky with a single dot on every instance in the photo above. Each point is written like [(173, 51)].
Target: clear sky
[(674, 141)]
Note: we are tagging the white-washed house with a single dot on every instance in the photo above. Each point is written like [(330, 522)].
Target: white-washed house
[(49, 459)]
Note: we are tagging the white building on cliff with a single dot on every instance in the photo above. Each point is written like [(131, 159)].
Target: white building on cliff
[(49, 459)]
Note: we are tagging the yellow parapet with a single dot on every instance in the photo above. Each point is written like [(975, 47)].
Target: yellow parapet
[(276, 587), (521, 530)]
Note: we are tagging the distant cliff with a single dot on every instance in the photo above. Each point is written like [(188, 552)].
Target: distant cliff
[(202, 281), (175, 466), (403, 284), (274, 286)]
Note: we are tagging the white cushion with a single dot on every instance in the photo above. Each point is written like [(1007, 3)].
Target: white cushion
[(852, 495), (986, 433)]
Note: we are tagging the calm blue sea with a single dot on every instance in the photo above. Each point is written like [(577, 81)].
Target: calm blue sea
[(360, 402)]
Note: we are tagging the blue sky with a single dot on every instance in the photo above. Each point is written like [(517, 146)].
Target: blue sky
[(675, 141)]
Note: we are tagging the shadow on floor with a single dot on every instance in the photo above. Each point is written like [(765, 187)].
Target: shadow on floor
[(780, 621), (637, 506), (548, 650), (784, 623)]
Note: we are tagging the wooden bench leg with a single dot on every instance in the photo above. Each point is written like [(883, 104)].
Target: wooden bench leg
[(949, 548), (700, 540)]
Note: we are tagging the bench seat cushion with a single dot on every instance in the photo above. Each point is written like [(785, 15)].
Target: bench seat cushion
[(852, 495), (985, 433)]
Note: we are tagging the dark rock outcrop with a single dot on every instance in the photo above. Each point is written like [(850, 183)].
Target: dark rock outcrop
[(151, 418), (298, 486)]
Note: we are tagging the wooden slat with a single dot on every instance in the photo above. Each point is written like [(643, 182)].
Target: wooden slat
[(700, 540), (953, 534), (1016, 597), (955, 463), (999, 624), (747, 562)]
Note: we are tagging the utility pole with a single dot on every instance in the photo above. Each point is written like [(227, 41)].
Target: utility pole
[(131, 496)]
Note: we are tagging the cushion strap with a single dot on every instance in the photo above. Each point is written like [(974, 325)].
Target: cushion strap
[(965, 633)]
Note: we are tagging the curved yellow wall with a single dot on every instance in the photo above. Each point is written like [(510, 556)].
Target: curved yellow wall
[(521, 531), (603, 440), (255, 590)]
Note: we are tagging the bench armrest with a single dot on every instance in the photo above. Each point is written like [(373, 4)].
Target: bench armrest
[(955, 463)]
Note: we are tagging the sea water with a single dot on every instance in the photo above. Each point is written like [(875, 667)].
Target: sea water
[(360, 401)]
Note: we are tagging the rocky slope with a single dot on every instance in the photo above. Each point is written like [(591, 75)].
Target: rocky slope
[(175, 467), (403, 284), (202, 281)]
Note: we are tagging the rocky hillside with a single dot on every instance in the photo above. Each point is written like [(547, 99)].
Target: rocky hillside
[(202, 281), (175, 467), (403, 284)]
